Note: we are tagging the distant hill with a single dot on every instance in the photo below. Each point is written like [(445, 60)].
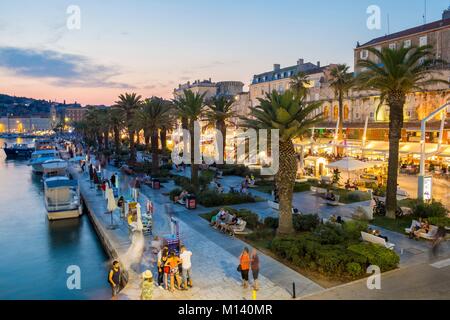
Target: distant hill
[(22, 106)]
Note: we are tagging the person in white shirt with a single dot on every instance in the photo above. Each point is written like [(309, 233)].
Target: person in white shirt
[(186, 267)]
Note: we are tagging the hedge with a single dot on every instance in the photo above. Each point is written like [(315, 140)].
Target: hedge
[(427, 210), (306, 222), (214, 199), (376, 255)]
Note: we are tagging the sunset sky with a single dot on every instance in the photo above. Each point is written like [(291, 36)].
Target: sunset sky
[(149, 46)]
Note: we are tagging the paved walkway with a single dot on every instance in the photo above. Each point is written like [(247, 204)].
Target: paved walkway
[(215, 256)]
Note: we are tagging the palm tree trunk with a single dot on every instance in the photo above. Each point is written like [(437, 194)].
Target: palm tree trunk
[(147, 136), (220, 125), (340, 150), (285, 180), (396, 103), (155, 157), (194, 166), (132, 145), (106, 139), (163, 136), (117, 139)]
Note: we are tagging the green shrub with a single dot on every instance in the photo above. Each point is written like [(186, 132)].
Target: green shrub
[(354, 269), (440, 221), (261, 234), (302, 187), (175, 193), (352, 229), (358, 196), (376, 255), (235, 170), (330, 234), (306, 222), (271, 223), (379, 191), (427, 210), (211, 198)]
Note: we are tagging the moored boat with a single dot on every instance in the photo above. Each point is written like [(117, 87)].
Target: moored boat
[(38, 158), (62, 198), (18, 151)]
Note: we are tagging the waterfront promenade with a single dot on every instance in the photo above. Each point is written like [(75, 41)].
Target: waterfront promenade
[(215, 255)]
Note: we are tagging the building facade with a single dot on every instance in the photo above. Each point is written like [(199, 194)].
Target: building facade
[(24, 124), (74, 114)]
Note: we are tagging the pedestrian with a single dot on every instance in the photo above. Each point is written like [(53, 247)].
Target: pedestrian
[(254, 264), (244, 266), (113, 180), (147, 286), (163, 271), (91, 172), (173, 263), (186, 267), (115, 278), (83, 166)]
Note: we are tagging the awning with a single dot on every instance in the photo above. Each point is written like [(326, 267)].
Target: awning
[(350, 164)]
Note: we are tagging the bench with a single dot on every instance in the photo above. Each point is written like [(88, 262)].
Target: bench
[(318, 190), (335, 202), (239, 228), (376, 240), (428, 236)]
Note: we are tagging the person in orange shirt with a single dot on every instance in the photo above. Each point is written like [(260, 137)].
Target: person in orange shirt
[(244, 264), (173, 263)]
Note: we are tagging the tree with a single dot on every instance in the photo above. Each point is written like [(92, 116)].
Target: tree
[(299, 84), (190, 107), (398, 73), (292, 116), (151, 116), (128, 104), (117, 123), (219, 114), (341, 82)]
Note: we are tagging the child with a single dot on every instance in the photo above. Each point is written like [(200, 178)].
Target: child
[(147, 286)]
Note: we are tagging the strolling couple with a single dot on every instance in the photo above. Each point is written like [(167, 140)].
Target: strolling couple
[(249, 262)]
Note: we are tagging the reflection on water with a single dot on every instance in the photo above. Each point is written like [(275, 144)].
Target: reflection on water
[(34, 252)]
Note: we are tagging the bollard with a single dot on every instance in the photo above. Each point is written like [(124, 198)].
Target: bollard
[(293, 290), (254, 294)]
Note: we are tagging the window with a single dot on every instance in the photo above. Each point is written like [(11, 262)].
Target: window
[(407, 44), (423, 41), (357, 115), (392, 46), (372, 115), (364, 54)]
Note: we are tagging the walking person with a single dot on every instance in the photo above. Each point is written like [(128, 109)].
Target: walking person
[(115, 278), (163, 271), (186, 267), (173, 263), (147, 285), (244, 266), (113, 180), (254, 264)]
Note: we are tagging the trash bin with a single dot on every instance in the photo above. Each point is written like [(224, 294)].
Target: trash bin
[(191, 202), (156, 184)]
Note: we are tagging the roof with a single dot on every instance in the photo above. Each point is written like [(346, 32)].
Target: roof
[(420, 29), (45, 152), (307, 68), (60, 183)]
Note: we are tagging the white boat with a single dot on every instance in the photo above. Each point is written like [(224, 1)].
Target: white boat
[(38, 158), (62, 198), (54, 168), (44, 144)]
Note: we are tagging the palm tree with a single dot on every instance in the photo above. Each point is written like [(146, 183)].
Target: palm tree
[(220, 112), (341, 82), (190, 107), (128, 104), (398, 73), (292, 116), (117, 123), (299, 84), (151, 116), (94, 124)]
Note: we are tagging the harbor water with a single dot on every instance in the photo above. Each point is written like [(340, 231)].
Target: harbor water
[(36, 254)]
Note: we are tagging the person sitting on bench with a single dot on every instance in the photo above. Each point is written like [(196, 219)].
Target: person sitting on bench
[(330, 196), (231, 220), (181, 199), (218, 218), (377, 233)]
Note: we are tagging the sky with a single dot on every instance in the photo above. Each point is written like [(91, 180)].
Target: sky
[(150, 46)]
